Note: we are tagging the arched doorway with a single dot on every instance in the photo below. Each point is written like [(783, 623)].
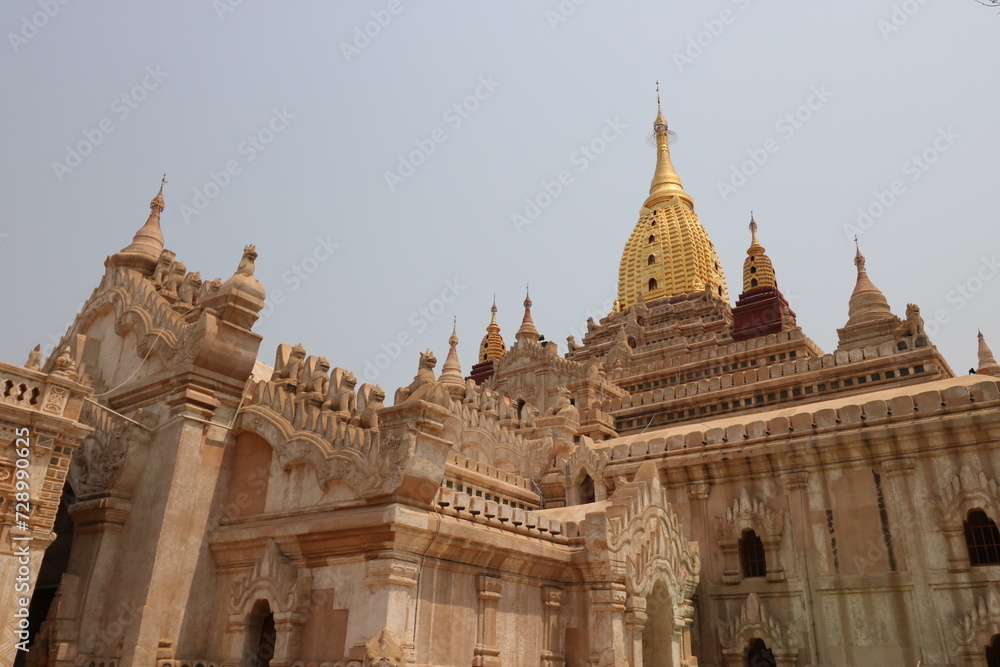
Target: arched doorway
[(759, 655), (261, 636), (658, 633), (993, 652)]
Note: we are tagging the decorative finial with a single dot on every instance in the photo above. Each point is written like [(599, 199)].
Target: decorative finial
[(859, 259), (454, 332), (527, 296), (158, 199), (494, 308), (658, 98)]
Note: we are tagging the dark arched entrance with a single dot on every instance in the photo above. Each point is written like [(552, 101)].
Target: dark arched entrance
[(759, 655), (261, 636), (993, 652)]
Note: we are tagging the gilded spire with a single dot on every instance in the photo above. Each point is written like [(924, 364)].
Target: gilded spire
[(666, 183), (757, 268), (867, 301), (669, 253), (451, 371), (147, 244), (527, 330), (492, 346), (987, 363)]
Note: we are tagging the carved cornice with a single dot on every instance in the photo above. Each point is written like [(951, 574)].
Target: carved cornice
[(747, 513), (754, 621), (963, 492)]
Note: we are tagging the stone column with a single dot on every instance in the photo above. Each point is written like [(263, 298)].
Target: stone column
[(553, 654), (288, 632), (607, 624), (907, 532), (796, 485), (487, 653), (391, 579), (635, 623)]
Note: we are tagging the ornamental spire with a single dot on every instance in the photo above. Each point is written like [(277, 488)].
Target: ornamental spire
[(867, 301), (147, 244), (666, 183), (492, 346), (527, 330), (757, 268), (987, 362), (451, 371)]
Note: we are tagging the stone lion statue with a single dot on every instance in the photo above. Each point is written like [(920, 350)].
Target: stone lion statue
[(383, 651), (914, 324), (319, 381), (291, 370), (368, 416), (189, 293), (425, 386), (344, 402), (563, 406)]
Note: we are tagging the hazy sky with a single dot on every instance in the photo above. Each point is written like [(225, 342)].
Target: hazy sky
[(378, 154)]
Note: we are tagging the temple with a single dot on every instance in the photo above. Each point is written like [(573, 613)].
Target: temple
[(694, 482)]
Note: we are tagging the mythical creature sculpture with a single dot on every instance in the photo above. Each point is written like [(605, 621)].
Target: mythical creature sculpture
[(344, 402), (189, 292), (571, 343), (368, 417), (291, 371), (319, 380), (529, 414), (471, 393), (34, 361), (162, 270), (563, 406), (246, 266), (914, 324), (590, 324), (176, 278), (425, 386)]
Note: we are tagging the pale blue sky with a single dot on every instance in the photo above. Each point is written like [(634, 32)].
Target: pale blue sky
[(339, 111)]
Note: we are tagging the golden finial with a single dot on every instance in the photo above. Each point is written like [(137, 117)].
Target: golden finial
[(454, 332), (859, 259), (158, 199), (527, 296)]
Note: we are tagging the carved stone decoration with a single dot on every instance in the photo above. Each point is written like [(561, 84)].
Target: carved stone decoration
[(383, 650), (914, 323), (274, 578), (982, 619), (288, 373), (587, 459), (104, 453), (64, 366), (563, 406), (425, 386), (637, 545), (364, 460), (34, 361), (344, 403), (957, 496), (754, 621), (367, 416), (748, 513)]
